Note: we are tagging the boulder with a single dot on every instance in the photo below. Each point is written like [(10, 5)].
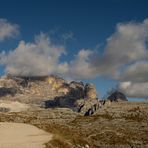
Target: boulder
[(87, 107)]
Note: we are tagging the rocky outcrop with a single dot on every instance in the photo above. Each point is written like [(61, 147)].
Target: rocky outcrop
[(49, 91), (77, 89), (81, 98), (87, 107), (117, 96), (90, 91)]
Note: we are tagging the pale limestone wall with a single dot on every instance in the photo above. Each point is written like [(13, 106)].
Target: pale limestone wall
[(90, 92), (64, 91), (56, 83)]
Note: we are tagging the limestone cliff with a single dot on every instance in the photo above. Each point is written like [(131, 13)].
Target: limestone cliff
[(48, 91)]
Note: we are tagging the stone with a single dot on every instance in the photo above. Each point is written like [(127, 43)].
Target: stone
[(7, 91), (77, 89), (88, 107), (4, 109), (90, 91), (50, 92)]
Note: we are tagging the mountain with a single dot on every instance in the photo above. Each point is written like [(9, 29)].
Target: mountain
[(117, 96), (52, 104), (49, 92)]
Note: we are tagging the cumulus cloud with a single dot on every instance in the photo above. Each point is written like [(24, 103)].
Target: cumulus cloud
[(80, 67), (125, 58), (134, 80), (124, 47), (127, 53), (134, 90), (137, 72), (8, 30), (38, 58)]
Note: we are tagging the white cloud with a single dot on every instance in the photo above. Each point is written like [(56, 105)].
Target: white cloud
[(8, 30), (127, 45), (125, 85), (137, 72), (127, 52), (134, 90), (124, 59), (38, 58), (80, 67)]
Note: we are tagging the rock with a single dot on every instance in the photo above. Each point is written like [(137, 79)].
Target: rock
[(75, 84), (50, 92), (89, 112), (86, 146), (4, 109), (79, 105), (90, 91), (7, 91), (55, 82), (107, 103), (77, 89), (87, 107), (117, 96), (64, 90)]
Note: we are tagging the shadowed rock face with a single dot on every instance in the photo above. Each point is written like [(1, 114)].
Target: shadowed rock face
[(7, 91), (117, 96)]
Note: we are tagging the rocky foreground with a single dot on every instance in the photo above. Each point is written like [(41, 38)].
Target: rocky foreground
[(118, 125), (58, 107)]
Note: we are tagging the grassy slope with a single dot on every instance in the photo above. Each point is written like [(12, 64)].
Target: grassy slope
[(119, 125)]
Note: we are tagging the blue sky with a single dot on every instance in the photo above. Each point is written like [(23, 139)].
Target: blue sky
[(84, 25)]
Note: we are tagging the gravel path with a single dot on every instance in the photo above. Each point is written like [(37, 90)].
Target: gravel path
[(19, 135)]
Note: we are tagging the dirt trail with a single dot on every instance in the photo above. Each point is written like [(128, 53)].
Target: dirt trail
[(19, 135)]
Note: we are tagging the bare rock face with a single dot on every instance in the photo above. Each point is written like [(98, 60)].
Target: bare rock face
[(87, 107), (77, 89), (91, 103), (117, 96), (8, 87), (90, 92), (49, 91), (55, 82)]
